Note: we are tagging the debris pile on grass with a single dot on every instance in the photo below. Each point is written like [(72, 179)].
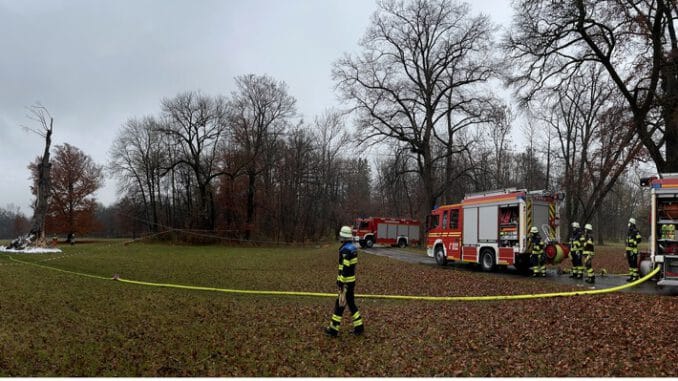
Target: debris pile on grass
[(31, 250)]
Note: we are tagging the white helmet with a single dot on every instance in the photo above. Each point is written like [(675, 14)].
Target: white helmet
[(534, 229), (346, 232), (575, 225), (588, 227), (632, 221)]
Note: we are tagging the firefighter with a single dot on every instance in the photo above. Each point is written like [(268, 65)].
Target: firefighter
[(575, 251), (632, 240), (588, 252), (537, 254), (348, 259)]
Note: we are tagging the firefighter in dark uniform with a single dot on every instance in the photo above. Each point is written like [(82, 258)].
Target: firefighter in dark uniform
[(348, 259), (588, 252), (575, 252), (537, 256), (632, 240)]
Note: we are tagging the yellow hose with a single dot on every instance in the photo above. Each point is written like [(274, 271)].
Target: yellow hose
[(364, 296)]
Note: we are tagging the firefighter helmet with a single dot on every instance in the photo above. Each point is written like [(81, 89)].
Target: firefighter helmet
[(588, 227), (632, 221), (534, 229), (575, 225), (346, 232)]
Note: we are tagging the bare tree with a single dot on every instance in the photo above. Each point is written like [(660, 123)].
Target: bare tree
[(258, 113), (138, 156), (634, 41), (397, 184), (596, 143), (418, 80), (332, 144), (41, 115), (196, 128), (500, 131)]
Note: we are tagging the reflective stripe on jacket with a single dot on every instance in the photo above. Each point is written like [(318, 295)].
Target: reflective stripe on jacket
[(348, 259), (588, 245), (633, 238)]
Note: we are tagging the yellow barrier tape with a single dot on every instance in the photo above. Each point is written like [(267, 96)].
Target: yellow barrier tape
[(364, 296)]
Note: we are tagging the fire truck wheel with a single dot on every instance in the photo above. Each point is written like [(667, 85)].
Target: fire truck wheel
[(439, 255), (369, 242), (402, 243), (487, 260)]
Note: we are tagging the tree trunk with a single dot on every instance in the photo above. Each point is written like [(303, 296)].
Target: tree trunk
[(249, 221), (670, 112), (43, 187)]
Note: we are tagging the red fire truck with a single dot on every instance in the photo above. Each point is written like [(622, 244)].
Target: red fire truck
[(663, 238), (386, 231), (491, 228)]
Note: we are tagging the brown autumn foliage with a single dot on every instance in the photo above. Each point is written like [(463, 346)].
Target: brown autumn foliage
[(74, 178)]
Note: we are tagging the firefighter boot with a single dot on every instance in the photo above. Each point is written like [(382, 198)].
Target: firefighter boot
[(591, 279), (635, 275), (573, 272), (329, 331), (580, 273), (333, 328), (358, 326)]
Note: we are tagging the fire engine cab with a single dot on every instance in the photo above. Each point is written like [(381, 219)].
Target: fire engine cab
[(663, 221), (492, 229)]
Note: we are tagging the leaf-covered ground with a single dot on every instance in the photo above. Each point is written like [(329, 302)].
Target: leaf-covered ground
[(60, 324)]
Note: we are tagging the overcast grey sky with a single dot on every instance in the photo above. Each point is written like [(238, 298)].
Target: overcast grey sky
[(96, 63)]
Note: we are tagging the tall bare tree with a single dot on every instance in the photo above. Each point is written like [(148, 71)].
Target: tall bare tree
[(418, 81), (41, 115), (634, 41), (259, 111), (195, 126), (138, 156), (595, 142)]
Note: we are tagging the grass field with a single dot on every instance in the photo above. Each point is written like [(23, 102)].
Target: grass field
[(61, 324)]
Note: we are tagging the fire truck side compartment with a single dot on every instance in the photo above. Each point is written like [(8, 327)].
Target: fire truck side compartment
[(470, 225), (487, 230)]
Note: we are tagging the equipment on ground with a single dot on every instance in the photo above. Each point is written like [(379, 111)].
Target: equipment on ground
[(399, 232), (663, 220), (492, 229)]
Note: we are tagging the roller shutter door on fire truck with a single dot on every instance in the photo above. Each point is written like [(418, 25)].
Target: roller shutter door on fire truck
[(488, 226), (470, 226), (413, 232), (382, 231), (540, 215)]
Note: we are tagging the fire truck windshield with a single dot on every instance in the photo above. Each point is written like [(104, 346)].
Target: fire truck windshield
[(433, 221)]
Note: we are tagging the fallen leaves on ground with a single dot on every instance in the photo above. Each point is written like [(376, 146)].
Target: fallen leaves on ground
[(59, 324)]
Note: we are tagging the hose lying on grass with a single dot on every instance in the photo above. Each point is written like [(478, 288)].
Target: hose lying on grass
[(364, 296)]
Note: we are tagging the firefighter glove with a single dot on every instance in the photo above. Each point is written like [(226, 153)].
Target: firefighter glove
[(342, 297), (340, 284)]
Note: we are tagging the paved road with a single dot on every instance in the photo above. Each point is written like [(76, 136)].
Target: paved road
[(608, 281)]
